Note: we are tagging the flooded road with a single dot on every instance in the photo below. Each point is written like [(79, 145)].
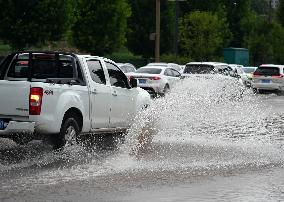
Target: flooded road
[(210, 139)]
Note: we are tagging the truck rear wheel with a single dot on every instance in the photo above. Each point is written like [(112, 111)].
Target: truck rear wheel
[(68, 133)]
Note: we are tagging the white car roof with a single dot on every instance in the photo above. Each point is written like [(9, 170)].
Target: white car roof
[(271, 65), (155, 66), (207, 63), (162, 64), (95, 57)]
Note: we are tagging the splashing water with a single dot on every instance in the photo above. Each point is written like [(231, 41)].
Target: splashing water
[(212, 113), (205, 125)]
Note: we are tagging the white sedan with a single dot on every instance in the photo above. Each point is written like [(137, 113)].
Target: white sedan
[(157, 80)]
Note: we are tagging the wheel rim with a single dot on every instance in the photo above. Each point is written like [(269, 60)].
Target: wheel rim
[(70, 136)]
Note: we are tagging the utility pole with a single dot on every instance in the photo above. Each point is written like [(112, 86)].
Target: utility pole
[(158, 25)]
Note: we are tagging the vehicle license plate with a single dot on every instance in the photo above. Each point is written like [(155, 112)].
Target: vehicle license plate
[(265, 81), (2, 124), (142, 80)]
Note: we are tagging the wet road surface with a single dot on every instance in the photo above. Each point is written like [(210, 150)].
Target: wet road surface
[(208, 140)]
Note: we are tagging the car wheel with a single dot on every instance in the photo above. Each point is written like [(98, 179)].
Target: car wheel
[(166, 90), (254, 90), (68, 133)]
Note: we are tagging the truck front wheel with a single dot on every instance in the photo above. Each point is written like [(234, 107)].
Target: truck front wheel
[(68, 133)]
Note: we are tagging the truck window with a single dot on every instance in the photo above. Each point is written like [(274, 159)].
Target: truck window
[(19, 69), (42, 69), (96, 71), (117, 77)]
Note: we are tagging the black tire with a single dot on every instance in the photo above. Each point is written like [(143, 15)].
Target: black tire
[(69, 133), (261, 91), (166, 90), (254, 90)]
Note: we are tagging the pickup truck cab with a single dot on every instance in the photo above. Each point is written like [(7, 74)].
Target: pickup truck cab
[(61, 95)]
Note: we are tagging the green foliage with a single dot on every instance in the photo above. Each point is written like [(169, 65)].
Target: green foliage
[(142, 23), (261, 7), (265, 40), (125, 56), (277, 41), (31, 22), (100, 25), (171, 58), (237, 11), (4, 49), (280, 12), (200, 5), (202, 35)]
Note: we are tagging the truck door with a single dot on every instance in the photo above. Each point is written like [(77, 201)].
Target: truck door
[(123, 98), (100, 95)]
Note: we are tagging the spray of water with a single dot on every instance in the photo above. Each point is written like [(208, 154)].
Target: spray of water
[(205, 124), (213, 111)]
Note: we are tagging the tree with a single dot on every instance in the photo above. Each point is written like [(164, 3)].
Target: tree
[(142, 23), (258, 39), (200, 5), (237, 12), (25, 23), (261, 7), (277, 41), (100, 26), (202, 35), (280, 12)]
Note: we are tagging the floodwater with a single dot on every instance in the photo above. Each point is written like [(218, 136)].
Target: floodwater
[(210, 139)]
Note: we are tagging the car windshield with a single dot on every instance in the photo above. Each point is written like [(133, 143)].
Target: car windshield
[(249, 69), (149, 70), (123, 68), (198, 69), (267, 71)]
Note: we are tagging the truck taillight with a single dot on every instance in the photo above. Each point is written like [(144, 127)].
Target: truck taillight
[(35, 100)]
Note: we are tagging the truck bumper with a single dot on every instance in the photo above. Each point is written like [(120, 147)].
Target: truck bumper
[(18, 127)]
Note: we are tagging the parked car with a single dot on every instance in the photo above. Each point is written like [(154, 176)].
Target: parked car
[(193, 68), (268, 77), (61, 95), (126, 67), (240, 74), (157, 80), (248, 75), (163, 64)]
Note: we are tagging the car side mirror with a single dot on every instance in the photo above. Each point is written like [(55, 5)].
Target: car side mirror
[(133, 82)]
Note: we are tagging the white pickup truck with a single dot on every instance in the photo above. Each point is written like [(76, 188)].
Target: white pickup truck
[(62, 95)]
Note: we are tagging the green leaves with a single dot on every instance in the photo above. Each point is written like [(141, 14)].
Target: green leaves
[(99, 26), (25, 23), (142, 23), (202, 35)]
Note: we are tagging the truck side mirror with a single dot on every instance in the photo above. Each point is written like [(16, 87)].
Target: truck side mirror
[(133, 82)]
